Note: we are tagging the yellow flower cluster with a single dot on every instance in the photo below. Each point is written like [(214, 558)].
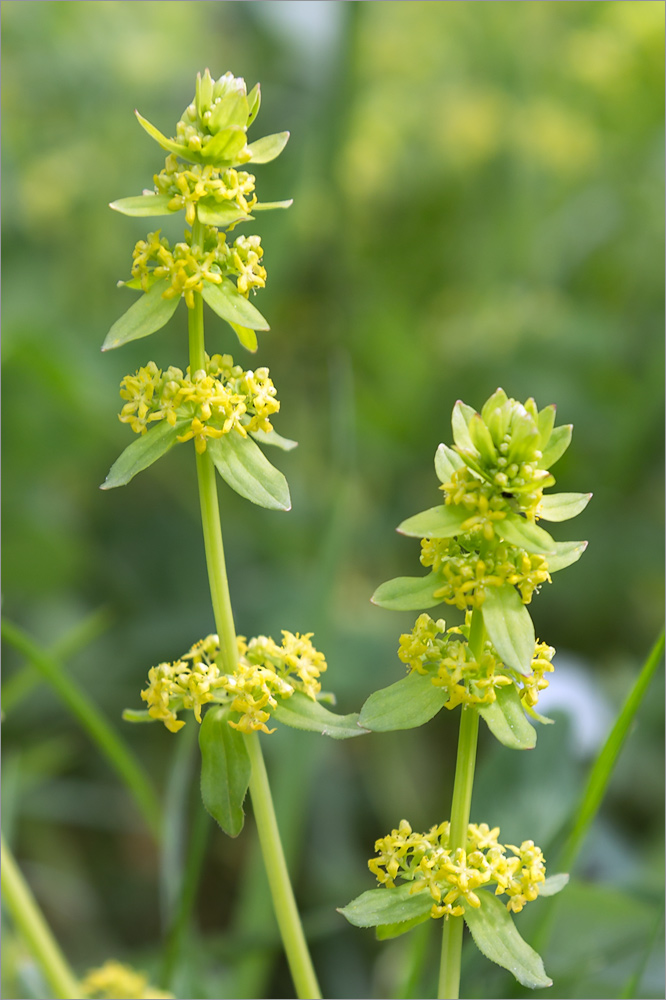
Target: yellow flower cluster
[(481, 499), (188, 184), (468, 681), (453, 876), (264, 672), (114, 981), (468, 574), (218, 400), (187, 268)]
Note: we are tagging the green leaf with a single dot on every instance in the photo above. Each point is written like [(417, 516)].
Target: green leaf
[(438, 522), (144, 205), (301, 712), (460, 418), (446, 462), (385, 932), (410, 702), (566, 553), (506, 720), (147, 315), (482, 439), (223, 214), (253, 103), (222, 149), (227, 302), (140, 454), (266, 149), (378, 907), (173, 147), (246, 337), (562, 506), (137, 715), (553, 884), (243, 465), (495, 935), (545, 423), (525, 534), (265, 206), (509, 627), (408, 593), (274, 439), (225, 769), (558, 443), (231, 110)]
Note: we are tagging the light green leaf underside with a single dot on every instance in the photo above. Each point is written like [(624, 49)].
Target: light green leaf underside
[(142, 452), (408, 593), (137, 715), (437, 522), (247, 338), (446, 462), (566, 553), (495, 935), (264, 206), (506, 720), (509, 627), (562, 506), (553, 884), (227, 302), (225, 770), (274, 439), (243, 465), (460, 418), (525, 534), (147, 315), (144, 205), (378, 907), (301, 712), (410, 702), (266, 149)]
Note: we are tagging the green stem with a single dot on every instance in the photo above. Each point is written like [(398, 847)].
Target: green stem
[(284, 903), (101, 732), (449, 970), (30, 921), (262, 803)]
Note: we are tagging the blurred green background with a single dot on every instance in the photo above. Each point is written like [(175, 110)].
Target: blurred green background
[(478, 201)]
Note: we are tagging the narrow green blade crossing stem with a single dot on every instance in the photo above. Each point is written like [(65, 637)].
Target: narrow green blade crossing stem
[(27, 916), (284, 903), (452, 934)]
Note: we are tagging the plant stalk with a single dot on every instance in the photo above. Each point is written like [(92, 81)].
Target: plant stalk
[(284, 903), (452, 935), (30, 921)]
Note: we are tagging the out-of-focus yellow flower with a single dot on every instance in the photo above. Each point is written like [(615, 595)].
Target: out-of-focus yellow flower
[(114, 981)]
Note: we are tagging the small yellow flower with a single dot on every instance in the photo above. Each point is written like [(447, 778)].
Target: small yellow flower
[(114, 981)]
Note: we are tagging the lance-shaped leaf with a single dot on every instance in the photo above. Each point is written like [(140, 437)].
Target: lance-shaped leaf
[(223, 149), (525, 534), (438, 522), (495, 935), (506, 720), (410, 702), (247, 338), (225, 769), (378, 907), (385, 932), (253, 103), (562, 506), (243, 465), (566, 553), (301, 712), (558, 443), (147, 315), (264, 206), (266, 149), (553, 884), (274, 439), (140, 454), (144, 205), (173, 147), (227, 302), (509, 627), (446, 462), (408, 593), (222, 214), (482, 439), (460, 418)]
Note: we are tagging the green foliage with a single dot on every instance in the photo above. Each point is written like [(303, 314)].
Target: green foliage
[(495, 935), (245, 468), (225, 770)]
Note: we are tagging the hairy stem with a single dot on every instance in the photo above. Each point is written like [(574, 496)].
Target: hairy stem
[(30, 922), (449, 972)]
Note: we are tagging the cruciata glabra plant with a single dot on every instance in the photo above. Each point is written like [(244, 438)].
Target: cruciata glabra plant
[(487, 556), (227, 412)]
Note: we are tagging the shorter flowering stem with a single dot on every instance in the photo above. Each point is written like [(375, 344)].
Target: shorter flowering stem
[(29, 920), (284, 903), (449, 974)]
